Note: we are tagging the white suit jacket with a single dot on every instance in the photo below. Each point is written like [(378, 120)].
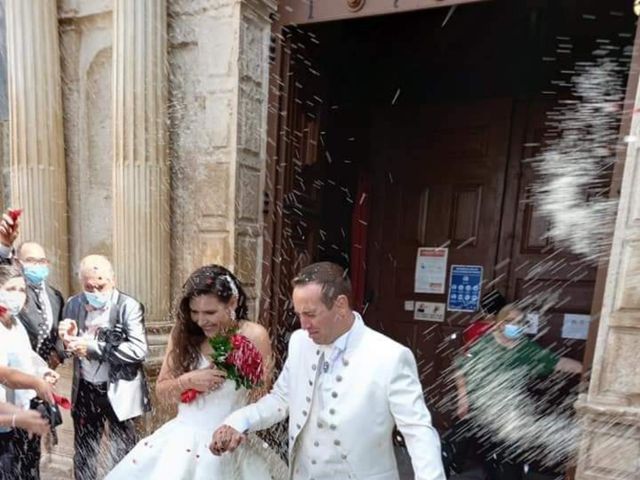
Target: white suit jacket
[(377, 386)]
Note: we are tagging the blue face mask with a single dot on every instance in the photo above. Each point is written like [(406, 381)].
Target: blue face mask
[(36, 274), (97, 299), (513, 332)]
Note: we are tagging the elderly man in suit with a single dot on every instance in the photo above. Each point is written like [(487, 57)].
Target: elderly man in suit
[(343, 386), (104, 330)]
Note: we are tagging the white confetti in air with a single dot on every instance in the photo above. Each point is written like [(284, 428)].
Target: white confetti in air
[(572, 185), (395, 97)]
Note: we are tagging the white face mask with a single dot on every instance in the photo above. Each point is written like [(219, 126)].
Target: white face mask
[(12, 301)]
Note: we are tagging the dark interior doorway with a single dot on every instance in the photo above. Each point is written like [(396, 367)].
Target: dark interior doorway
[(436, 116)]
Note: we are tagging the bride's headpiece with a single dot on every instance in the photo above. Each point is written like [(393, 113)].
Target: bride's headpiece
[(232, 285)]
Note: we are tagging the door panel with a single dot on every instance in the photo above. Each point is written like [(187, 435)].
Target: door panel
[(546, 276), (293, 197), (439, 181)]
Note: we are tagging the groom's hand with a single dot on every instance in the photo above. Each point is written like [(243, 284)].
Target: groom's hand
[(225, 439)]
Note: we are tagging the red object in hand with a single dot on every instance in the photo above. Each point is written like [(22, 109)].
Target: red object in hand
[(14, 213), (62, 402), (246, 358), (3, 310), (189, 396)]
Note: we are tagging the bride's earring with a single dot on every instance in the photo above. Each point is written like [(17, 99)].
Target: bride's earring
[(232, 315)]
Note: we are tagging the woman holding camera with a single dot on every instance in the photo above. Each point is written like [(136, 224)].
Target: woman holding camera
[(19, 390)]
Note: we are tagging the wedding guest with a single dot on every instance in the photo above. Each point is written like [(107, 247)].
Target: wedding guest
[(16, 352), (103, 329), (491, 380)]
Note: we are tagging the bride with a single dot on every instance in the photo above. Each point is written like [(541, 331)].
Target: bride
[(212, 300)]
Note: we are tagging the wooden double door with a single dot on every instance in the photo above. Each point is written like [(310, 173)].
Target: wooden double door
[(455, 176)]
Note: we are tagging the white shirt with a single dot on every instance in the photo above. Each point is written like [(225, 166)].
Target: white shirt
[(95, 371), (334, 351), (16, 352)]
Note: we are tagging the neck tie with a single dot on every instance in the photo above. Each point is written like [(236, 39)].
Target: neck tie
[(43, 333)]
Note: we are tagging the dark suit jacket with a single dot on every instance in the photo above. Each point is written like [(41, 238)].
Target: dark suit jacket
[(31, 318)]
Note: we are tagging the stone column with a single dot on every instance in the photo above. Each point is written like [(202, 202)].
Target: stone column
[(611, 409), (219, 65), (38, 174), (141, 180)]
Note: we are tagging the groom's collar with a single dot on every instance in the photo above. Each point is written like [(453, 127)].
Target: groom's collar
[(342, 343)]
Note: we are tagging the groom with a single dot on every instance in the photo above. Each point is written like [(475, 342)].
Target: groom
[(343, 386)]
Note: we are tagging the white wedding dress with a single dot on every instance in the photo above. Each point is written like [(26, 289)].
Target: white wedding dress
[(179, 450)]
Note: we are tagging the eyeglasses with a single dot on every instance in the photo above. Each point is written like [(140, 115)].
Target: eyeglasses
[(36, 261)]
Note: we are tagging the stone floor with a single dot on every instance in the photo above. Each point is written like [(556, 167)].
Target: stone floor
[(60, 472), (59, 464)]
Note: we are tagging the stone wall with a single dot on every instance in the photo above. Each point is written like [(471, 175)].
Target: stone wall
[(610, 446), (217, 54), (86, 59), (218, 99)]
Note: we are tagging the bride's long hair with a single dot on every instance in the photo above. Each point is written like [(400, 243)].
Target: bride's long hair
[(186, 335)]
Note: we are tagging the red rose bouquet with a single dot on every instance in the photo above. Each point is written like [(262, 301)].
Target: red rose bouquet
[(238, 357)]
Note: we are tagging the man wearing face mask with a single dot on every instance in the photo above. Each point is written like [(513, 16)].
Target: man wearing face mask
[(103, 329), (42, 311), (492, 375)]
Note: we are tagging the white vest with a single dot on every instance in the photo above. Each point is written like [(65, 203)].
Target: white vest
[(317, 457)]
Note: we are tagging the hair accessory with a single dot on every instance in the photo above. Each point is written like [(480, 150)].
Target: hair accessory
[(232, 285)]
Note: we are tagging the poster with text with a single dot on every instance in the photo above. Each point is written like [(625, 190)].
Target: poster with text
[(431, 311), (465, 283), (431, 270)]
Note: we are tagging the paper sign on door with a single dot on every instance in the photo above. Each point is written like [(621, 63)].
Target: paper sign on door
[(431, 270), (431, 311), (576, 326)]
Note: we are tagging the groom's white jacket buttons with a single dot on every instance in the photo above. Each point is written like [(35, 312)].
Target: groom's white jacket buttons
[(376, 385)]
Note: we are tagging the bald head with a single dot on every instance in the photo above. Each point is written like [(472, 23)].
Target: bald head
[(30, 252), (96, 274)]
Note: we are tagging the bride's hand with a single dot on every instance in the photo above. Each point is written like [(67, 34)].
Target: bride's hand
[(204, 380)]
